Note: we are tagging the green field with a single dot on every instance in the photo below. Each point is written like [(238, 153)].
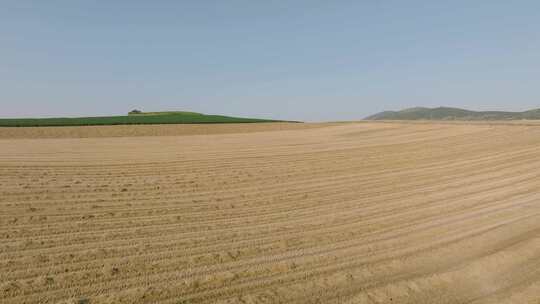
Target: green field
[(143, 118)]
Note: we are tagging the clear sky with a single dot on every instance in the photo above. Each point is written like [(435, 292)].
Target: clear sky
[(306, 60)]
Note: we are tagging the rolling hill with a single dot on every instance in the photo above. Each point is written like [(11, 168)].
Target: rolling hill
[(138, 118), (446, 113)]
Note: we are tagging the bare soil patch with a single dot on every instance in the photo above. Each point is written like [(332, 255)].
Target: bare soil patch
[(345, 213)]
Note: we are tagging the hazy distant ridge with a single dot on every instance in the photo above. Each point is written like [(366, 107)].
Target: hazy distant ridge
[(445, 113)]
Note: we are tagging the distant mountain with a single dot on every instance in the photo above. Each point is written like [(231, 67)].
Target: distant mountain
[(445, 113)]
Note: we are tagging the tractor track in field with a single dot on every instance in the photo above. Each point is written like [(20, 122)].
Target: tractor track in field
[(371, 212)]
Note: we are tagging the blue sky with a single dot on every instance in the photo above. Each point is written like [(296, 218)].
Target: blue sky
[(305, 60)]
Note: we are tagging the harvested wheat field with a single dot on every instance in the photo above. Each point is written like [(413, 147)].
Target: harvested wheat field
[(342, 213)]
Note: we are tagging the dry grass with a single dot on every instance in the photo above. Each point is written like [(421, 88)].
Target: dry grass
[(351, 213), (148, 130)]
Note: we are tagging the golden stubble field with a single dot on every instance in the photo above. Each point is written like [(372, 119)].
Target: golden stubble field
[(340, 213)]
